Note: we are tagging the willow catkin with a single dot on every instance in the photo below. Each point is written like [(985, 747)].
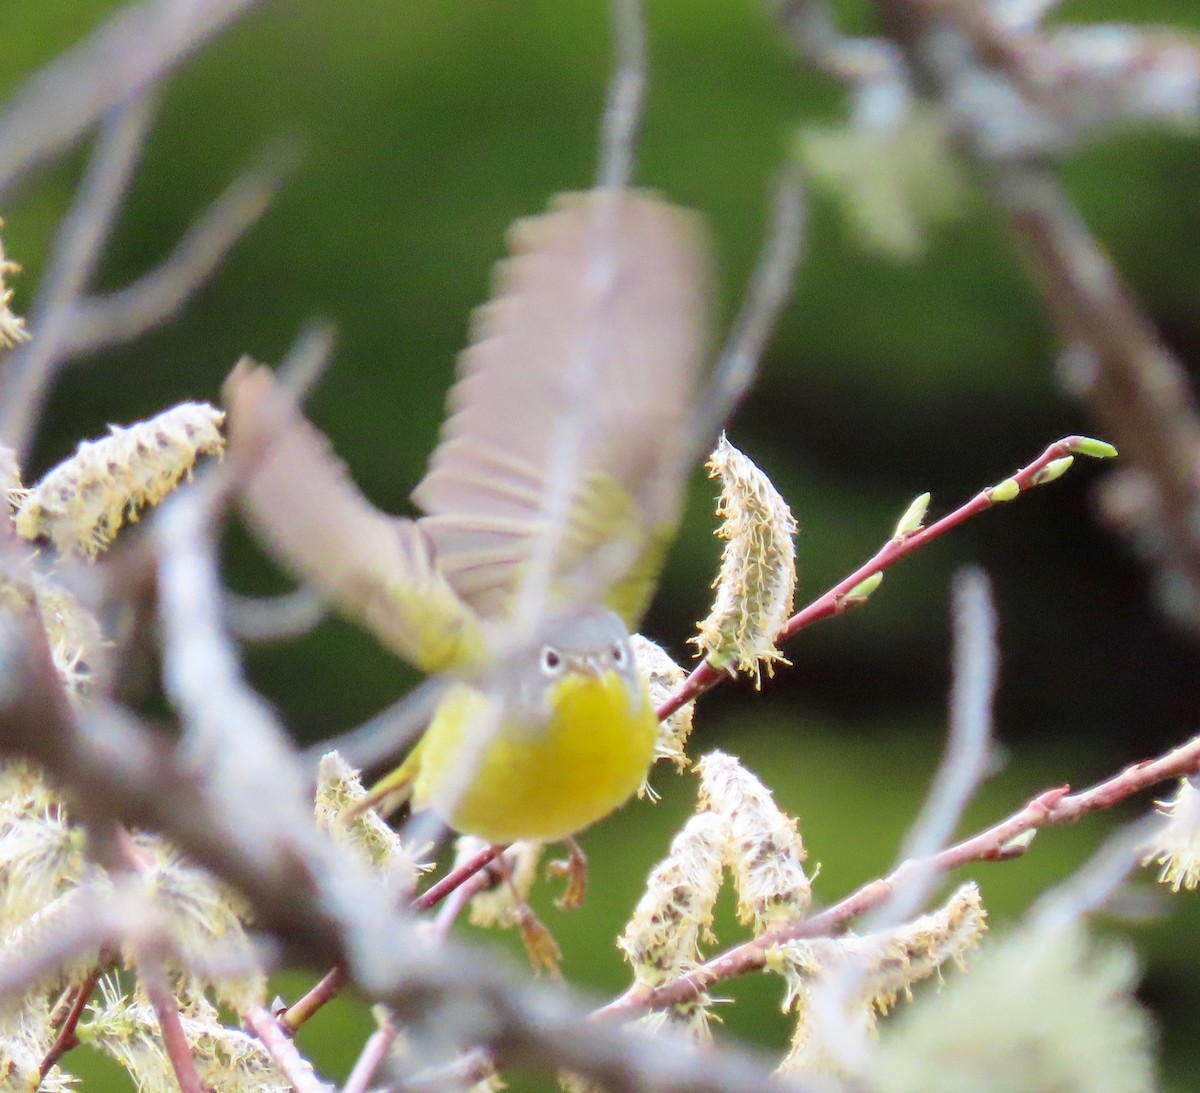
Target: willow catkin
[(662, 939), (763, 850), (12, 327), (1047, 1010), (1175, 846), (663, 675), (364, 832), (757, 578), (865, 975), (81, 504)]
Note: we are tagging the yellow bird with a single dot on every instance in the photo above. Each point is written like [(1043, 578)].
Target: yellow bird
[(549, 503)]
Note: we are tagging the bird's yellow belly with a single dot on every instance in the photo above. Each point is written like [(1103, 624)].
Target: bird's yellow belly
[(507, 781)]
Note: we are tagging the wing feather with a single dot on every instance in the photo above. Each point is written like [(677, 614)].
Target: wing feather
[(643, 333), (376, 569)]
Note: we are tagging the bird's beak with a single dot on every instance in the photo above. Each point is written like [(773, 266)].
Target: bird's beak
[(588, 666)]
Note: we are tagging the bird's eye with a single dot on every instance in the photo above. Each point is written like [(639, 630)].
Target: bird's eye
[(618, 654), (551, 660)]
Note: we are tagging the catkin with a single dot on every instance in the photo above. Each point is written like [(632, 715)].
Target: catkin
[(763, 849), (12, 327), (865, 975), (663, 675), (81, 504), (757, 578), (1175, 846), (662, 939)]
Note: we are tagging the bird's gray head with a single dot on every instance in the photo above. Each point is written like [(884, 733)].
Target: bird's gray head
[(587, 640)]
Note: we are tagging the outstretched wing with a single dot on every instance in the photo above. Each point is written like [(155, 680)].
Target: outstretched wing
[(376, 569), (586, 362)]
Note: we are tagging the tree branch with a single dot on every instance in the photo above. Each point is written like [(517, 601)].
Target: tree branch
[(1000, 842), (135, 48)]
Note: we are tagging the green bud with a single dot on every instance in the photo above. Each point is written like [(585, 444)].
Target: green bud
[(913, 516), (864, 588), (1054, 469), (1004, 491), (1097, 449), (1018, 844)]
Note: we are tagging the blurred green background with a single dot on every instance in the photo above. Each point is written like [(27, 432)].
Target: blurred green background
[(427, 128)]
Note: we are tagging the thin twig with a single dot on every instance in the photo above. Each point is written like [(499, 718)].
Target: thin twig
[(29, 372), (288, 1061), (1123, 372), (838, 599), (79, 994), (88, 929), (326, 990), (371, 1058), (385, 736), (179, 1052), (769, 292), (99, 322), (1090, 887), (271, 618), (1000, 842), (435, 893), (334, 980), (626, 89), (965, 763), (133, 49), (811, 27)]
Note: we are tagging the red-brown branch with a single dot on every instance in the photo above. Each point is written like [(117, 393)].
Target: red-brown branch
[(66, 1039), (282, 1050), (369, 1061), (1051, 808), (170, 1024), (836, 600)]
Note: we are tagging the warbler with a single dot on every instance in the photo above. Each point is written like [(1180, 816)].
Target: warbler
[(549, 503)]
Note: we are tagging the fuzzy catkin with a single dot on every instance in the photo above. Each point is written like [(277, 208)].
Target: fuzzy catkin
[(12, 327), (81, 504), (662, 939), (763, 849), (1047, 1010), (757, 579), (863, 977), (1175, 847), (663, 675), (366, 834)]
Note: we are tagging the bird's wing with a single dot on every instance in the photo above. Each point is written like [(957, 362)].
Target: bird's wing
[(585, 363), (376, 569)]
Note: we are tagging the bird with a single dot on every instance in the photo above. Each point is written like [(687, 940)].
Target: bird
[(546, 511)]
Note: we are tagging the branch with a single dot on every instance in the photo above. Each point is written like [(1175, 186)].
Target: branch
[(76, 999), (1007, 839), (327, 988), (158, 991), (270, 618), (626, 89), (98, 322), (371, 1058), (1117, 365), (125, 55), (78, 242), (769, 293), (840, 597), (289, 1062), (965, 762), (232, 797)]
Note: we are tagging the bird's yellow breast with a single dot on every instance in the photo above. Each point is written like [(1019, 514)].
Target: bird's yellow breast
[(490, 775)]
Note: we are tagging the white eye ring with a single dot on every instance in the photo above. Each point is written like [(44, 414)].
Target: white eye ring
[(551, 660), (617, 652)]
